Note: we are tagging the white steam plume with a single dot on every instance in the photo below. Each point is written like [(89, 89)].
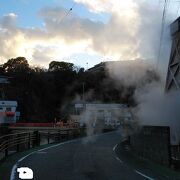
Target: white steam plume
[(154, 106), (157, 108)]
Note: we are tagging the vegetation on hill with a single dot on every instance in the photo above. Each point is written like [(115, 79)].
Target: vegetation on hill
[(44, 94)]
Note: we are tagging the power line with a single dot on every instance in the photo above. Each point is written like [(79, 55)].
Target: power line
[(68, 12), (166, 5)]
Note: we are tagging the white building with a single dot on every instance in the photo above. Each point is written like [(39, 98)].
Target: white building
[(107, 115), (8, 111)]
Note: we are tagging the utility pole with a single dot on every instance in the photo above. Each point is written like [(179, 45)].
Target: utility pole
[(83, 97)]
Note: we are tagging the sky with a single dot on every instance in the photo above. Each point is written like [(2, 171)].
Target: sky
[(92, 32)]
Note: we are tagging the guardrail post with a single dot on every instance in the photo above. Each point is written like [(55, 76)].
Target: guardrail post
[(38, 137), (82, 132), (59, 135), (6, 147), (29, 140), (17, 146), (68, 134), (36, 141), (48, 137)]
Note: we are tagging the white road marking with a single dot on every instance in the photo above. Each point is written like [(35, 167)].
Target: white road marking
[(114, 148), (147, 177), (59, 144), (13, 172), (119, 160), (26, 156), (41, 152)]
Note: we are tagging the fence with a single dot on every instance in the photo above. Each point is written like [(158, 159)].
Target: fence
[(20, 141), (153, 142), (14, 142)]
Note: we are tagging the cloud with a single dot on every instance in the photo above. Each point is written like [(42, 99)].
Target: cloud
[(38, 45), (153, 107), (99, 6), (116, 38), (11, 38), (133, 29), (131, 32), (71, 28), (8, 21)]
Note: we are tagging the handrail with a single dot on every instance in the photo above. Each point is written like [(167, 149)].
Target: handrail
[(32, 138), (15, 139), (1, 137)]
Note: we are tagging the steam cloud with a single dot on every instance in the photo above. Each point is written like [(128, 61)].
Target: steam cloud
[(154, 106), (157, 108), (129, 73)]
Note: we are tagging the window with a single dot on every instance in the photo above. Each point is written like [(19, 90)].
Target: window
[(8, 109)]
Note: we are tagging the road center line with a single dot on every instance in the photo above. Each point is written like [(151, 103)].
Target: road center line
[(147, 177), (114, 148), (13, 171), (41, 152), (119, 160)]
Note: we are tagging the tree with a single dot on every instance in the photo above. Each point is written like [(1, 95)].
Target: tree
[(15, 65), (37, 69), (61, 66)]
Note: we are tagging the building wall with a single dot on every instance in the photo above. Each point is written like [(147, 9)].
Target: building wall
[(111, 115), (173, 75), (5, 107)]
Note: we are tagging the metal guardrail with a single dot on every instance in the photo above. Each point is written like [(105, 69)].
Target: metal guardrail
[(12, 142), (19, 141)]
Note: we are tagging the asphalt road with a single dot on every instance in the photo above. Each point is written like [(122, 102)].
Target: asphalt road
[(83, 159)]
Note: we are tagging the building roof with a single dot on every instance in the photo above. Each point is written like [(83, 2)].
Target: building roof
[(101, 105), (102, 66), (8, 103)]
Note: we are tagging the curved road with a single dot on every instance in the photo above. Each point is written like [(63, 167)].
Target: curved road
[(83, 159)]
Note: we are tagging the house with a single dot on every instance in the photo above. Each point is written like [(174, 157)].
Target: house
[(8, 111), (99, 114)]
